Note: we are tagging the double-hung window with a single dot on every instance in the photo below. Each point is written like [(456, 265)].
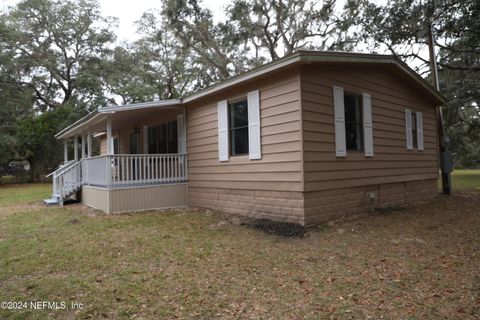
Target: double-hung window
[(353, 121), (414, 129), (238, 127)]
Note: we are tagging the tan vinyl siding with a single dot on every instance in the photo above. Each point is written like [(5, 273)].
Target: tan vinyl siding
[(280, 168), (267, 188), (390, 97), (338, 186)]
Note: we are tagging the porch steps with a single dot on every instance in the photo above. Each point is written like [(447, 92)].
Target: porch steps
[(55, 200), (67, 181), (51, 202)]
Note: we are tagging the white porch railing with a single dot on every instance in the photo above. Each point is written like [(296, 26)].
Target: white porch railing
[(96, 171), (118, 170), (129, 169)]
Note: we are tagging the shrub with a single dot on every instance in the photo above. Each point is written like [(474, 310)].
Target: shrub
[(8, 179)]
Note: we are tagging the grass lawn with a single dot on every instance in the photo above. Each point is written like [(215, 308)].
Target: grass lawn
[(466, 179), (420, 263), (24, 193)]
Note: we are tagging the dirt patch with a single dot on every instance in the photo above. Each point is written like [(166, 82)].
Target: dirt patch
[(81, 208), (283, 229)]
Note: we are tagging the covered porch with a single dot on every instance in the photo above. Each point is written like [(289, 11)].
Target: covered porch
[(140, 146)]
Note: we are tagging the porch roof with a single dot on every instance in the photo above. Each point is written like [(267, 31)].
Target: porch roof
[(121, 116), (302, 57)]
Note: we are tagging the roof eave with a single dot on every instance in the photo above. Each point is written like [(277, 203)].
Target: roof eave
[(434, 92), (88, 118), (244, 77), (142, 105)]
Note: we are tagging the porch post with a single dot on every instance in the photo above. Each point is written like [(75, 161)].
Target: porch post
[(109, 136), (84, 142), (65, 150), (89, 145), (75, 148)]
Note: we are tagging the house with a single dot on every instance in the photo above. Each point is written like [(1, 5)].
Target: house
[(305, 139)]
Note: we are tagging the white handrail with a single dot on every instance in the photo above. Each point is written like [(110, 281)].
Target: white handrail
[(67, 181), (62, 167)]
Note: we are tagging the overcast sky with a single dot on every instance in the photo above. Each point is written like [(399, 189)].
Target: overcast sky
[(129, 11)]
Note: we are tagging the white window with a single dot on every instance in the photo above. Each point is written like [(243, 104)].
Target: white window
[(353, 122), (414, 129), (239, 127)]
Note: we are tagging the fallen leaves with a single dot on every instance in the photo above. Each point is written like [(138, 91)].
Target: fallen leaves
[(421, 264)]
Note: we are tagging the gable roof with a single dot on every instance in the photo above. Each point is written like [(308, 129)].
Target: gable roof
[(306, 57), (300, 57)]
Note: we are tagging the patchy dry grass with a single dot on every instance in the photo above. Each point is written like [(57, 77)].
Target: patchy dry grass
[(420, 263)]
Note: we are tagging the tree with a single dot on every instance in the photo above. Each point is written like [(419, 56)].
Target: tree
[(176, 71), (54, 50), (56, 45), (214, 49), (15, 102), (153, 67), (126, 77), (280, 27), (401, 27), (256, 31)]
